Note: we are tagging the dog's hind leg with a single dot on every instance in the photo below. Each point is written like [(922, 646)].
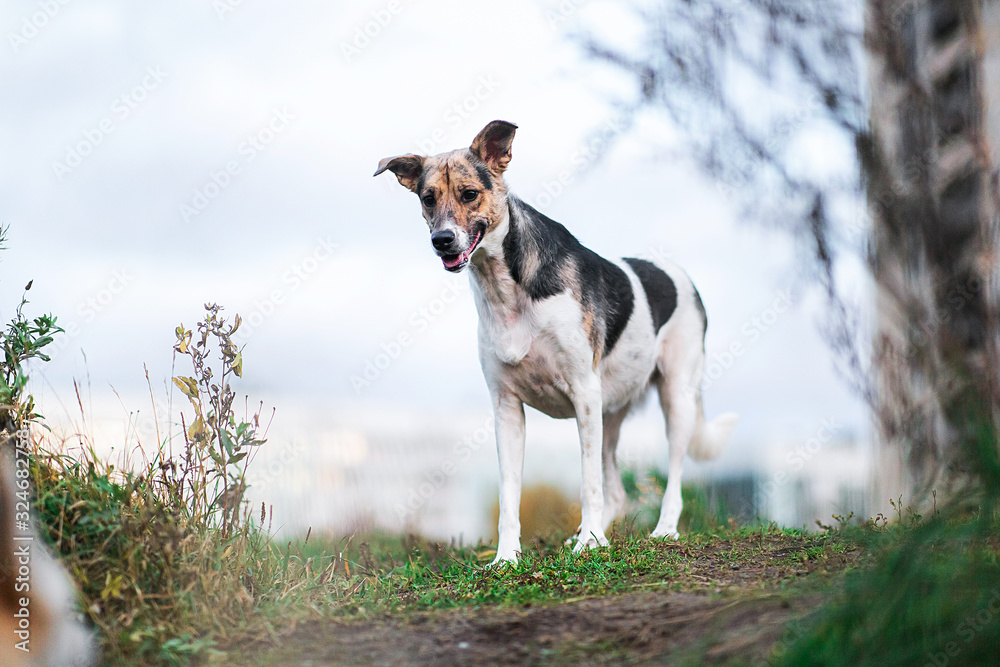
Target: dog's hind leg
[(509, 415), (614, 492), (679, 398)]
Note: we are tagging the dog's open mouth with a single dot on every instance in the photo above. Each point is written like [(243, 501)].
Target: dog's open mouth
[(455, 263)]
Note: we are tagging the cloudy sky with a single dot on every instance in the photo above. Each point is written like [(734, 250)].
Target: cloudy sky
[(159, 156)]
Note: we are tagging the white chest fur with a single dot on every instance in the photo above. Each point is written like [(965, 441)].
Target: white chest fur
[(536, 349), (508, 332)]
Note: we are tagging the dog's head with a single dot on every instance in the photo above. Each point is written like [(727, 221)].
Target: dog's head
[(462, 193)]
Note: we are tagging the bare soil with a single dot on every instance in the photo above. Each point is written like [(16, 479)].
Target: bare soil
[(636, 628), (724, 613)]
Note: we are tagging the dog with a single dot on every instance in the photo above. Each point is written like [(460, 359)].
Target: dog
[(38, 625), (566, 332)]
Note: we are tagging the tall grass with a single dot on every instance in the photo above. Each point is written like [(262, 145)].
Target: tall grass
[(170, 559), (22, 340), (932, 594), (932, 597)]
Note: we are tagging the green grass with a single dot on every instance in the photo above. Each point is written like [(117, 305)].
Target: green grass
[(409, 574), (164, 590), (930, 596), (162, 586), (425, 582)]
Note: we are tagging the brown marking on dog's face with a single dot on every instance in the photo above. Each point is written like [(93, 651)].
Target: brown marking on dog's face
[(461, 192), (456, 186), (466, 183)]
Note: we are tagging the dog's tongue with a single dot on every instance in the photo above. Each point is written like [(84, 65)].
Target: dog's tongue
[(451, 261)]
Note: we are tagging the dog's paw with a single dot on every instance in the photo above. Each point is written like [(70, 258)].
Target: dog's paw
[(592, 542), (503, 560), (665, 535)]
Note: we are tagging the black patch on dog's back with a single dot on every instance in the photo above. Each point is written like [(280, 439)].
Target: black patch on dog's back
[(661, 292), (609, 288), (605, 288)]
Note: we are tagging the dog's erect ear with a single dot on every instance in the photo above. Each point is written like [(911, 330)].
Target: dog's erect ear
[(407, 168), (492, 144)]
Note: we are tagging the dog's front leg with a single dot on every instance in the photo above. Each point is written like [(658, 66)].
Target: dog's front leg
[(589, 423), (509, 422)]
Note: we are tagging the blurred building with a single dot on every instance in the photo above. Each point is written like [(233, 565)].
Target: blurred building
[(796, 484), (435, 481), (440, 481)]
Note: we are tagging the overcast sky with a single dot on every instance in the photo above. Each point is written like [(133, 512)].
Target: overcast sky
[(157, 156)]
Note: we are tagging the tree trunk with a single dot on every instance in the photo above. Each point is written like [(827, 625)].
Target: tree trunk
[(931, 166)]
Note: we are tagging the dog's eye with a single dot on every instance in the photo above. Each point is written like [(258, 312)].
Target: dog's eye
[(469, 195), (428, 201)]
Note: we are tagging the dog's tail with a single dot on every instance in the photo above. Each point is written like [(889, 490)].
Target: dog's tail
[(710, 438)]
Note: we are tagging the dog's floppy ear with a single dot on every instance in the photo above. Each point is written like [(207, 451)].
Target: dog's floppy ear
[(407, 168), (492, 144)]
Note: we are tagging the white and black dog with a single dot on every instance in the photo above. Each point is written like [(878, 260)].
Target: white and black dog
[(565, 331)]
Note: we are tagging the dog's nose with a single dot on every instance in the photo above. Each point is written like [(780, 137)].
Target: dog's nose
[(442, 240)]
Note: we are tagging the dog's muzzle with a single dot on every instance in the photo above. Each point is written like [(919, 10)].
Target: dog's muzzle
[(453, 258)]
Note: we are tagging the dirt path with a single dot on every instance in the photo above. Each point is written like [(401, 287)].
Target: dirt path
[(629, 629)]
